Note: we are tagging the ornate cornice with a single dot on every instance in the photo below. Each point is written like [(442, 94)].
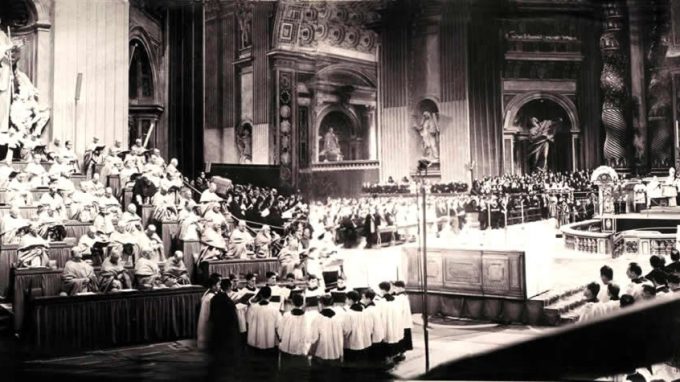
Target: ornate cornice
[(327, 28)]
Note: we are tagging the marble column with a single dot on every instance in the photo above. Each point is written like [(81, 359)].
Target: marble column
[(372, 133), (613, 85)]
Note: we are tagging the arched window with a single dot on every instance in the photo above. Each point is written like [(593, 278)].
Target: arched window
[(141, 78)]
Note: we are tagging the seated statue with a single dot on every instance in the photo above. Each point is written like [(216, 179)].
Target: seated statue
[(331, 148)]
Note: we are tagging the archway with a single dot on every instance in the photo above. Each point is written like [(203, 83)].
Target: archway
[(560, 111), (544, 127), (144, 108), (351, 139)]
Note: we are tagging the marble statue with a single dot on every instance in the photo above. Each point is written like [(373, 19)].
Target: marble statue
[(541, 135), (428, 128), (245, 146), (331, 147), (5, 80)]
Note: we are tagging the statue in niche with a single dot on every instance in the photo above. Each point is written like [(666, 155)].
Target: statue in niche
[(22, 117), (245, 20), (244, 143), (541, 136), (428, 129), (331, 147)]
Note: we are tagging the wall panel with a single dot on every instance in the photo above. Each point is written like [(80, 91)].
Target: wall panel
[(454, 144), (484, 92), (261, 38), (395, 160), (261, 143), (91, 37)]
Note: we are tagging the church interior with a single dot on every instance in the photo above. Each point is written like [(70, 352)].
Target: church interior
[(333, 189)]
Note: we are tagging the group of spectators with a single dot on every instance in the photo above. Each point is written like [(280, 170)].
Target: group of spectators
[(494, 200)]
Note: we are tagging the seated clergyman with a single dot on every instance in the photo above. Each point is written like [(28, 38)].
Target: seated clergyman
[(113, 276), (147, 273), (33, 250), (13, 226), (239, 241), (175, 272), (50, 224), (78, 276), (153, 243), (263, 241)]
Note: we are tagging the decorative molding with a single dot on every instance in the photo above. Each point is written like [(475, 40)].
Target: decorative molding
[(342, 166), (515, 105), (327, 28), (556, 86)]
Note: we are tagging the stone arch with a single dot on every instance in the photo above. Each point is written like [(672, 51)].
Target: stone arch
[(139, 35), (363, 79), (516, 104), (346, 112)]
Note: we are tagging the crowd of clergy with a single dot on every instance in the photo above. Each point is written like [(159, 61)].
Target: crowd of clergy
[(303, 324), (662, 280), (118, 251)]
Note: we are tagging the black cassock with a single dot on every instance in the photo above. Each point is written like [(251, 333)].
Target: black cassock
[(225, 337)]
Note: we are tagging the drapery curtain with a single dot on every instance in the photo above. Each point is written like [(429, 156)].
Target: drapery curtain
[(227, 267), (47, 280), (61, 325)]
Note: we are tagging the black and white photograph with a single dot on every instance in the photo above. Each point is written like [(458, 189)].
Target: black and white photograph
[(339, 190)]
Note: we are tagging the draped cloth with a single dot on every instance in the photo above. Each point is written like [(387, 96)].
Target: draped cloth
[(5, 82), (79, 277), (238, 244), (113, 276), (33, 252), (12, 229), (147, 273), (75, 324), (175, 273)]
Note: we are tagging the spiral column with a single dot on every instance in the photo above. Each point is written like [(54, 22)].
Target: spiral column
[(613, 85)]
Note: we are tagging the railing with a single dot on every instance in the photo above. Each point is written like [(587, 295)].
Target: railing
[(587, 237), (343, 165)]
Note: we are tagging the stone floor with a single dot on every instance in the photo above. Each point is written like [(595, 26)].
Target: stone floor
[(181, 361)]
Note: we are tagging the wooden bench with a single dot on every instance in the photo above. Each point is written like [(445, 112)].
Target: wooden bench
[(59, 252), (227, 267)]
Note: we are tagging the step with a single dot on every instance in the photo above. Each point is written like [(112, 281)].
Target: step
[(553, 313), (552, 297)]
